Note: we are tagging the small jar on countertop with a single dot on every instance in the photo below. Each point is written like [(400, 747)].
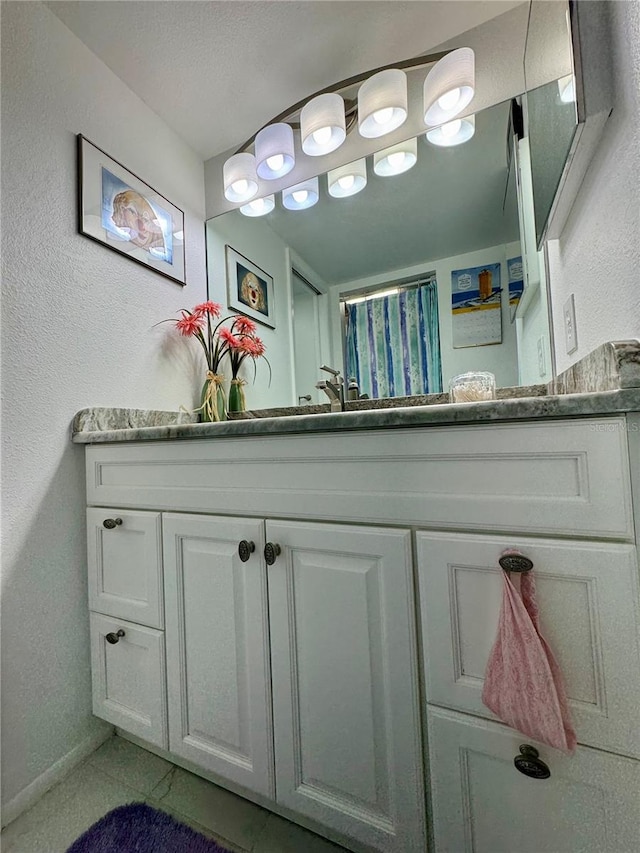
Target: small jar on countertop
[(472, 387)]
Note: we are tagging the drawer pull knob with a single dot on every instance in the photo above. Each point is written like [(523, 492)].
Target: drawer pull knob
[(271, 552), (114, 638), (530, 764), (515, 563), (246, 549), (110, 523)]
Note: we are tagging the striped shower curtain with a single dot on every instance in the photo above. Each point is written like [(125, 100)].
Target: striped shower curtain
[(393, 343)]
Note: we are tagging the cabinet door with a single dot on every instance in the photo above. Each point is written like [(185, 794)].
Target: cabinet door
[(129, 681), (482, 804), (589, 612), (218, 649), (125, 565), (346, 707)]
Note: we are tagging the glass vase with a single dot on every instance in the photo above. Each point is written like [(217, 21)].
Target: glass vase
[(218, 412), (237, 402)]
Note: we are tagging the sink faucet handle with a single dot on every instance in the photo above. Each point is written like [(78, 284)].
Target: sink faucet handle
[(333, 372)]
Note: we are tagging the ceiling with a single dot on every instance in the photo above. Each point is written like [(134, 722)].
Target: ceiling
[(216, 70)]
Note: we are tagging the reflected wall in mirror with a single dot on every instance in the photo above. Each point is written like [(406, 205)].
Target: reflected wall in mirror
[(455, 209)]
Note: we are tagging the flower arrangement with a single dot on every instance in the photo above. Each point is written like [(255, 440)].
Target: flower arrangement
[(238, 341)]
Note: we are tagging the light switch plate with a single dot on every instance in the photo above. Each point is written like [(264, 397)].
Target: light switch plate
[(542, 367), (570, 331)]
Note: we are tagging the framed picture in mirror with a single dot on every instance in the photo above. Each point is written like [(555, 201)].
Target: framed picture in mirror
[(249, 289)]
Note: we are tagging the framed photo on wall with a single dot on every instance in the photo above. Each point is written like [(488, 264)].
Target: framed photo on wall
[(249, 289), (121, 211)]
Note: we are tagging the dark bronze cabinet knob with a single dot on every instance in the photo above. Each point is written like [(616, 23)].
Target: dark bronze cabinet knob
[(530, 764), (110, 523), (246, 549), (515, 563), (114, 638), (271, 551)]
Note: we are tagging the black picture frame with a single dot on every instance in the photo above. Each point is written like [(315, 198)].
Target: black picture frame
[(122, 212)]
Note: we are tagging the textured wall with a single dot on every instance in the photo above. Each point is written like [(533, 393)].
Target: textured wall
[(598, 256), (77, 330)]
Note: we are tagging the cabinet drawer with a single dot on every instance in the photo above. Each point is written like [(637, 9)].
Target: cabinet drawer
[(589, 611), (569, 477), (125, 565), (129, 682), (482, 804)]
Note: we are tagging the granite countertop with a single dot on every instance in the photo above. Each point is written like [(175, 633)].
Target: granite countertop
[(607, 382)]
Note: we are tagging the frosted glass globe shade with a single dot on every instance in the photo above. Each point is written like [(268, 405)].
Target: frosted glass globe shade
[(323, 124), (396, 159), (347, 180), (274, 151), (453, 133), (239, 177), (449, 86), (259, 206), (382, 103), (301, 196)]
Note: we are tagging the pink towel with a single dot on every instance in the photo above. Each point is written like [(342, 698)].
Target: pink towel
[(523, 684)]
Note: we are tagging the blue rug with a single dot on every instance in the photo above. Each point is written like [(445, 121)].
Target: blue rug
[(137, 828)]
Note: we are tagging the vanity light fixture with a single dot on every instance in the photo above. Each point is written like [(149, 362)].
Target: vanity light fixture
[(239, 176), (382, 103), (453, 132), (302, 195), (449, 86), (323, 124), (347, 180), (275, 156), (259, 206), (379, 106), (396, 159)]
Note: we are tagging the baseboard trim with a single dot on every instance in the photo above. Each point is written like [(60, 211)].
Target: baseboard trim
[(36, 789)]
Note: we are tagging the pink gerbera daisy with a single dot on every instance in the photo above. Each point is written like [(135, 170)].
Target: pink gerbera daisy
[(212, 308), (189, 324), (229, 338), (244, 325), (257, 348)]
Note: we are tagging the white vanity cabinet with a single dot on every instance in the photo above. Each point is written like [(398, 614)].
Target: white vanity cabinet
[(297, 677)]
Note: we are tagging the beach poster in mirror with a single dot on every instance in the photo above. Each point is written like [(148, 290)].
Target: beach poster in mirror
[(121, 211)]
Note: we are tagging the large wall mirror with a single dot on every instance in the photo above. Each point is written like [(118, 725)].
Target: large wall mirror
[(345, 270)]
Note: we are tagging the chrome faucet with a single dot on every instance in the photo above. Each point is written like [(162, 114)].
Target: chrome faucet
[(334, 389)]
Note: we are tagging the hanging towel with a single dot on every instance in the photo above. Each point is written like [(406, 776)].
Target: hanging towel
[(523, 684)]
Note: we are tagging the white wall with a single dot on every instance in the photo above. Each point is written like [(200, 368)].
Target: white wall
[(499, 359), (598, 255), (77, 330), (257, 242)]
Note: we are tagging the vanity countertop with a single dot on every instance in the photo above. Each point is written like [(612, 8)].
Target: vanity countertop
[(605, 382), (513, 409)]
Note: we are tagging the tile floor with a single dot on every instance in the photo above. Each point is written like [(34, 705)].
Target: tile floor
[(118, 773)]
